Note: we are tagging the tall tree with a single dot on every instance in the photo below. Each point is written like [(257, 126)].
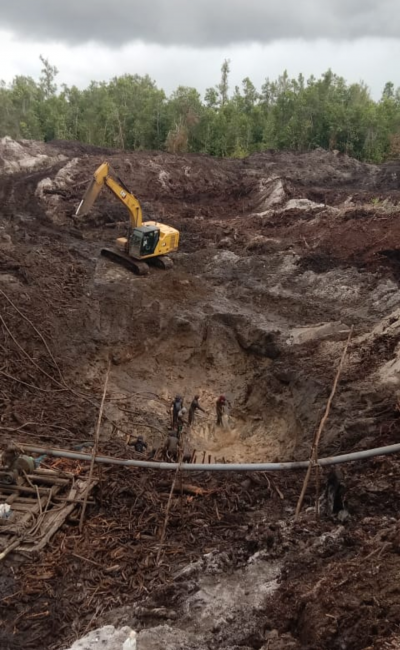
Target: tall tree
[(47, 79), (223, 86)]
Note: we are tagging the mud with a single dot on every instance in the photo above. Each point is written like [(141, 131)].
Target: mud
[(280, 255)]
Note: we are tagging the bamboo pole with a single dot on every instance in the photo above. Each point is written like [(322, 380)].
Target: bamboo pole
[(177, 473), (95, 446), (317, 436)]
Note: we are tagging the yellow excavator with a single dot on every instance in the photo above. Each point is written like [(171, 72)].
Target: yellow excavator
[(146, 243)]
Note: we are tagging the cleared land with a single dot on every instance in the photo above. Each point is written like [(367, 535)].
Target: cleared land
[(280, 255)]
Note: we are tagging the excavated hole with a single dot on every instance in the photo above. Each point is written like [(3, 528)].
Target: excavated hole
[(259, 426), (192, 352)]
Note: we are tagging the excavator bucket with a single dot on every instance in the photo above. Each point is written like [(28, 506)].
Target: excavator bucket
[(91, 195)]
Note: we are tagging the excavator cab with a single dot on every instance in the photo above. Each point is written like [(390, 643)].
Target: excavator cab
[(143, 241)]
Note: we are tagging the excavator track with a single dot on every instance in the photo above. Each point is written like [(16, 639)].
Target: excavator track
[(136, 266), (163, 262)]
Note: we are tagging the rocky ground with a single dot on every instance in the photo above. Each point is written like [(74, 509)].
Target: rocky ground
[(281, 254)]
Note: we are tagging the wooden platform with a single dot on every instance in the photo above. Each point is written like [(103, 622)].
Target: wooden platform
[(40, 505)]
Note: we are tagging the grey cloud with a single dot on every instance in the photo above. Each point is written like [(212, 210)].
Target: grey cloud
[(199, 23)]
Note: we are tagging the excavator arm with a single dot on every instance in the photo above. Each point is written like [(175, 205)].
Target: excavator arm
[(101, 178)]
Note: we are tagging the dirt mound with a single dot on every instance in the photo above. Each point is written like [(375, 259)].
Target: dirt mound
[(26, 156), (196, 185)]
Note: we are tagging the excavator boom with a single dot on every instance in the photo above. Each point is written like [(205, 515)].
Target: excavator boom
[(101, 178)]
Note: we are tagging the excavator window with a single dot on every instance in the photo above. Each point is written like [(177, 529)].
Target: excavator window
[(149, 243), (144, 241)]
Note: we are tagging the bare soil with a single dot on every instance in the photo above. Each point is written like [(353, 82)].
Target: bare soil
[(281, 254)]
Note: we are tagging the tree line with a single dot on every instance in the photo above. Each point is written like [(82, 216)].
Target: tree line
[(131, 112)]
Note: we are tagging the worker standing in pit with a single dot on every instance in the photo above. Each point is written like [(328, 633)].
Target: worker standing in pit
[(187, 454), (335, 491), (140, 445), (171, 448), (220, 407), (181, 421), (193, 408), (176, 406)]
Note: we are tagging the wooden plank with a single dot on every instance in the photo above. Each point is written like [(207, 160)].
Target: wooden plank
[(17, 499), (52, 472), (11, 498), (25, 507), (48, 480), (24, 489), (11, 547)]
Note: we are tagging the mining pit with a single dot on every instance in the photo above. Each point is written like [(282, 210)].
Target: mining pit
[(281, 255)]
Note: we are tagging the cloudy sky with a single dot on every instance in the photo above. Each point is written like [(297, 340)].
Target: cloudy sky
[(183, 42)]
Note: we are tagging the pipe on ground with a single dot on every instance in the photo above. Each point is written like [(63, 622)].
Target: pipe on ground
[(216, 467)]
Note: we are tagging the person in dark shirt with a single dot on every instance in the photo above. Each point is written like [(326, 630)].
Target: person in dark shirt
[(335, 491), (193, 408), (140, 445)]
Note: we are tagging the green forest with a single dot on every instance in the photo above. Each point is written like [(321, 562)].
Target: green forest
[(131, 112)]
